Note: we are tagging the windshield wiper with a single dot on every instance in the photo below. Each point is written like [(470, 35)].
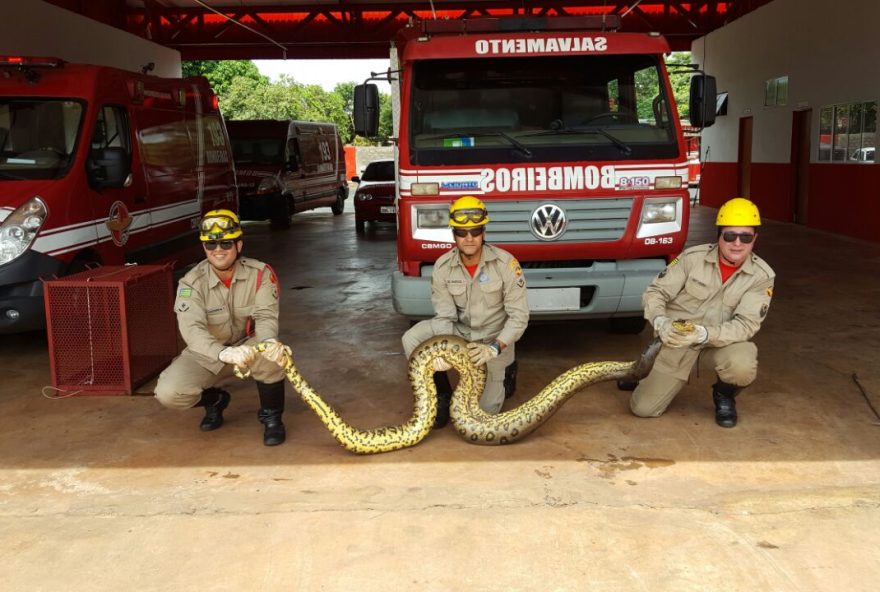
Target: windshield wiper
[(623, 146), (513, 141)]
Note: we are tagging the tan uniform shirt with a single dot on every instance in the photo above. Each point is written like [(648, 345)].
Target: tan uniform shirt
[(490, 305), (211, 316), (690, 289)]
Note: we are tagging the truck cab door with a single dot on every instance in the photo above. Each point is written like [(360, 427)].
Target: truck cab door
[(118, 193)]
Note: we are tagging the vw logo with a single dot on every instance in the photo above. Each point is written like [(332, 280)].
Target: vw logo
[(548, 222)]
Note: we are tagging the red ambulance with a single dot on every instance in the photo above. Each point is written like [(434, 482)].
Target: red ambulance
[(100, 166)]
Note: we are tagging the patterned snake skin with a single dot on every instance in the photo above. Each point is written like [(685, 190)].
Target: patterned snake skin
[(472, 423)]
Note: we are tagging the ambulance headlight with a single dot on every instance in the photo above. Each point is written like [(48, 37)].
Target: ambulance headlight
[(20, 228), (268, 185), (432, 216)]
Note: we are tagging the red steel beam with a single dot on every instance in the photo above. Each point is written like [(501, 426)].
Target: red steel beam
[(364, 30)]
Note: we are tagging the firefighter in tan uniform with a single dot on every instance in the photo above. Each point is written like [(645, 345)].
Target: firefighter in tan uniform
[(478, 293), (225, 304), (725, 290)]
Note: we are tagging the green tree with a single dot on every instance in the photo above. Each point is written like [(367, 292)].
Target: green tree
[(680, 80), (221, 73)]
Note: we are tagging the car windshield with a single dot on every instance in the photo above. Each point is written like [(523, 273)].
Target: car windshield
[(382, 170), (38, 137), (540, 109), (257, 150)]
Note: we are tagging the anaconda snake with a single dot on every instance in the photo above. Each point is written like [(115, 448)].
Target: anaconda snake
[(472, 423)]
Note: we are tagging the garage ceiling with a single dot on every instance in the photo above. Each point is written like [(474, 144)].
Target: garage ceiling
[(273, 29)]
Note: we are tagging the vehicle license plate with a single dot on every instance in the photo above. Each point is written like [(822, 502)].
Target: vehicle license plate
[(387, 209), (554, 298)]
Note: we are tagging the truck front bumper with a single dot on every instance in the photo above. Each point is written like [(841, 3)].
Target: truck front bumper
[(606, 289)]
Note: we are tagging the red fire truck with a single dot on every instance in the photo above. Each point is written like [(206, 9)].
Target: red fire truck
[(100, 166), (566, 129)]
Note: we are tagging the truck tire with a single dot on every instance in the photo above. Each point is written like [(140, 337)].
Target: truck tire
[(628, 325), (339, 206), (280, 219)]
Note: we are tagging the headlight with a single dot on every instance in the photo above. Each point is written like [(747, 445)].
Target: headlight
[(660, 211), (364, 196), (19, 230), (432, 216), (268, 185)]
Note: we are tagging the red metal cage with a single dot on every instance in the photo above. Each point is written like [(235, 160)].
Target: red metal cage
[(110, 329)]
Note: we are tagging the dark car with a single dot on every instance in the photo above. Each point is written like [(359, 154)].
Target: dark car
[(374, 198)]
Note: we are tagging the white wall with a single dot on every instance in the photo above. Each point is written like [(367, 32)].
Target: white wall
[(33, 27), (828, 50)]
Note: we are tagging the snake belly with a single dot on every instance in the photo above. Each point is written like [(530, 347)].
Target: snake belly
[(478, 427)]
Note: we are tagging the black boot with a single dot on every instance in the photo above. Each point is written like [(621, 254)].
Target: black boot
[(724, 396), (627, 385), (510, 380), (271, 408), (214, 400), (444, 394)]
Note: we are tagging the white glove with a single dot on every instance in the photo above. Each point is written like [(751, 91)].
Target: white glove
[(274, 351), (441, 365), (481, 353), (696, 337), (240, 355), (663, 327)]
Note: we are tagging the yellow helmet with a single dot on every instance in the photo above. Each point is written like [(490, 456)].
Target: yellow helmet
[(468, 212), (219, 225), (738, 212)]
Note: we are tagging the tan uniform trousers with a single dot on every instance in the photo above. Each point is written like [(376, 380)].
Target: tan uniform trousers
[(735, 364), (180, 385), (493, 394)]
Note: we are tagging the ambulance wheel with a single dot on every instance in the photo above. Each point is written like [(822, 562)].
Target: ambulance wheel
[(281, 216), (359, 225), (628, 325), (339, 206)]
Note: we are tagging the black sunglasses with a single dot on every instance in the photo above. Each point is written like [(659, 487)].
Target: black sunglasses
[(223, 244), (463, 232), (744, 237)]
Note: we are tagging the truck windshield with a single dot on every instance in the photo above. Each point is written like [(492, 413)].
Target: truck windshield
[(257, 150), (540, 109), (38, 137)]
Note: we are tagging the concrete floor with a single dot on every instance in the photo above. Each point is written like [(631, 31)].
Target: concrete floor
[(113, 493)]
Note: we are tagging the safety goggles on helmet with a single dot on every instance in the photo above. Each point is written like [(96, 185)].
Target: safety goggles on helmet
[(219, 227), (473, 215)]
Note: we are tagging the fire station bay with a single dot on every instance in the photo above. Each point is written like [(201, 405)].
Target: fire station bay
[(561, 296)]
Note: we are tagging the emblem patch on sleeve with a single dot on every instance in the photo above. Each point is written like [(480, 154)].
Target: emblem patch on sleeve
[(181, 307), (184, 292), (515, 267), (770, 292), (764, 310)]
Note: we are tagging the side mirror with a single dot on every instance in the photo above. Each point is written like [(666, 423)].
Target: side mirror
[(355, 179), (366, 110), (108, 167), (702, 100)]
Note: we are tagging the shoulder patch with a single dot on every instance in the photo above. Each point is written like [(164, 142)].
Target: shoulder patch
[(673, 262), (770, 292), (764, 310), (184, 292), (515, 267)]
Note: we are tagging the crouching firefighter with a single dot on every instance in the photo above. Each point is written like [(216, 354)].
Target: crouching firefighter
[(478, 293), (224, 305), (724, 290)]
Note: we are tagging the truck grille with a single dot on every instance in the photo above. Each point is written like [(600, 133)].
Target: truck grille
[(586, 220)]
